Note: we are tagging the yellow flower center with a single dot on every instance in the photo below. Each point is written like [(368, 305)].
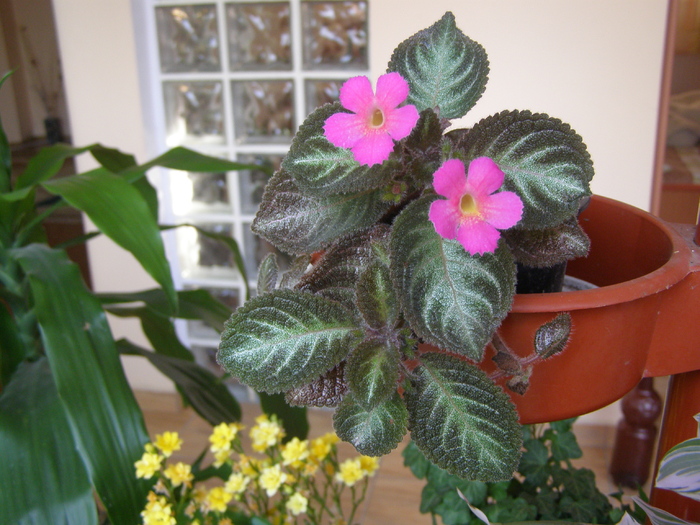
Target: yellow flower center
[(468, 205), (377, 118)]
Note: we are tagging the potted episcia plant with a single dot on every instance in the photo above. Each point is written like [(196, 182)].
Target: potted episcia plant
[(413, 235)]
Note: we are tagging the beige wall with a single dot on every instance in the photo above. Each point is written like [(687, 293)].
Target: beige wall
[(594, 64)]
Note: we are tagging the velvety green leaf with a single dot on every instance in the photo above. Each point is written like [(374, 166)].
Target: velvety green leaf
[(326, 391), (544, 248), (119, 211), (293, 418), (372, 372), (445, 69), (298, 223), (47, 163), (206, 393), (461, 420), (376, 298), (451, 299), (296, 270), (372, 432), (286, 338), (106, 423), (680, 469), (267, 274), (546, 163), (319, 168), (552, 337), (44, 479)]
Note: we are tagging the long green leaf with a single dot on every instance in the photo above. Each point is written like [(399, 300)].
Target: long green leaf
[(44, 479), (451, 299), (106, 423), (121, 213), (462, 421), (286, 338), (47, 163)]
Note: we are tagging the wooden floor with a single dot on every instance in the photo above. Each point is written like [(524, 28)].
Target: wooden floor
[(394, 494)]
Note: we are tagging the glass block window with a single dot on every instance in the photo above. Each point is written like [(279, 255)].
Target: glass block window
[(236, 79)]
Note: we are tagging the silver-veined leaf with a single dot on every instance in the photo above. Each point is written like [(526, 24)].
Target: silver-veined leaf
[(461, 420), (372, 372), (451, 299), (679, 470), (445, 69), (659, 516), (286, 338)]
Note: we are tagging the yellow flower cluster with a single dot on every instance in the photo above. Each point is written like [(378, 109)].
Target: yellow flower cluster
[(299, 479)]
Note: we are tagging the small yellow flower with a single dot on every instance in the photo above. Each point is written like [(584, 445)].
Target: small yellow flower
[(369, 465), (179, 473), (222, 435), (267, 433), (249, 466), (221, 457), (309, 469), (295, 452), (168, 442), (271, 479), (297, 504), (218, 499), (148, 465), (320, 449), (236, 483), (350, 472), (157, 511)]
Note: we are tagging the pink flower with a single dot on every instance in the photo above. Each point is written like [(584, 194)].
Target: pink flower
[(376, 122), (473, 213)]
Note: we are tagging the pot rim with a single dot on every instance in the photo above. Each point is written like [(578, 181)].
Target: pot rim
[(670, 273)]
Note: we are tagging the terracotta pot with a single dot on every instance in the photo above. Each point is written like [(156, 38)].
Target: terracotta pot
[(632, 325)]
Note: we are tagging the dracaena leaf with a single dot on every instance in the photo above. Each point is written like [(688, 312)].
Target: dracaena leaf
[(322, 169), (298, 223), (544, 248), (372, 432), (546, 162), (462, 421), (450, 298), (286, 338), (445, 69), (372, 372)]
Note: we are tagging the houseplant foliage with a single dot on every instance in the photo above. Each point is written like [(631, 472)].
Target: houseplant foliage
[(361, 198), (70, 427)]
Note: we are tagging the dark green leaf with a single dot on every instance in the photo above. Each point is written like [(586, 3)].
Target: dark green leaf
[(546, 163), (47, 163), (298, 223), (293, 418), (105, 420), (376, 298), (320, 169), (44, 479), (267, 274), (534, 462), (373, 432), (112, 159), (121, 213), (414, 459), (451, 299), (372, 372), (445, 69), (5, 152), (462, 421), (206, 393), (553, 336), (285, 339), (543, 248), (12, 349)]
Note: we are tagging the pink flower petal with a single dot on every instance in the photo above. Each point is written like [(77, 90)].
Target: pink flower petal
[(484, 176), (356, 94), (373, 149), (392, 90), (450, 180), (502, 210), (478, 237), (445, 217), (401, 121), (343, 130)]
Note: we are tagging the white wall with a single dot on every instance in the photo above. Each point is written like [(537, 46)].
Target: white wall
[(594, 64)]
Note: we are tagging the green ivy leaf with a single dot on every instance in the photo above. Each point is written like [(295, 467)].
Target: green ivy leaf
[(462, 421), (298, 223), (534, 462), (286, 338), (546, 162), (414, 459), (376, 298), (373, 432), (445, 69), (565, 447), (372, 372), (451, 299), (321, 169)]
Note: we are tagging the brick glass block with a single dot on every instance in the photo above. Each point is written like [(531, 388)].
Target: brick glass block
[(320, 92), (203, 256), (194, 112), (263, 111), (251, 183), (259, 36), (194, 192), (188, 38), (334, 35), (199, 329)]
